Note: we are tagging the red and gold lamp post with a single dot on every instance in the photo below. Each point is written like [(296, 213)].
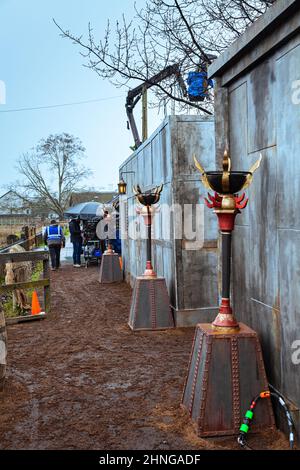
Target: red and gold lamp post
[(227, 204), (218, 383), (150, 304), (148, 199)]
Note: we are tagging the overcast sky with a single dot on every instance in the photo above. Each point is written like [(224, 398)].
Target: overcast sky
[(39, 68)]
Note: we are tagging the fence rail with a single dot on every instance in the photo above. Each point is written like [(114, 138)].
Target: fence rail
[(27, 243), (30, 256)]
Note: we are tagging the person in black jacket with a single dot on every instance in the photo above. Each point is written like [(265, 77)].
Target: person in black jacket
[(76, 239)]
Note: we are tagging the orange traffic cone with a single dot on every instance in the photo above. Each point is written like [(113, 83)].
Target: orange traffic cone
[(35, 305)]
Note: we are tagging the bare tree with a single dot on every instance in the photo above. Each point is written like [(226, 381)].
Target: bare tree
[(51, 171), (163, 33)]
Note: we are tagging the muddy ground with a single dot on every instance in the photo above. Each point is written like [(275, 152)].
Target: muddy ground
[(81, 379)]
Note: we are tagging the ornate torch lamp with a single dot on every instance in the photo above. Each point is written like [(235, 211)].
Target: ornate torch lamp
[(226, 204), (148, 199), (150, 305), (226, 367)]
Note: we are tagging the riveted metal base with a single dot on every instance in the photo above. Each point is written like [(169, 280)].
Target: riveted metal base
[(110, 269), (226, 371), (150, 305)]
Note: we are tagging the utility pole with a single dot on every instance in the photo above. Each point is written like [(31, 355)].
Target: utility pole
[(144, 115)]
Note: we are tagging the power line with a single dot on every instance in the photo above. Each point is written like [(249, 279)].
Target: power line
[(75, 103)]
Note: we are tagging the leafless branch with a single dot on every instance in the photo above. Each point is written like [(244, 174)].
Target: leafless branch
[(162, 33), (51, 171)]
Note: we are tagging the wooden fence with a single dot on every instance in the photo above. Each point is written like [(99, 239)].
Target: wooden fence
[(29, 256), (33, 241)]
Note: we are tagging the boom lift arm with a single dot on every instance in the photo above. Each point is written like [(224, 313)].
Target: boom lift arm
[(136, 93)]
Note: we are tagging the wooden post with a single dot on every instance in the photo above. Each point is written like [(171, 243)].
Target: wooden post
[(35, 237), (144, 115), (26, 243), (3, 348), (47, 287), (29, 256)]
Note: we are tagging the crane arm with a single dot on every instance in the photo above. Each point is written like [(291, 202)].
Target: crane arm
[(135, 94)]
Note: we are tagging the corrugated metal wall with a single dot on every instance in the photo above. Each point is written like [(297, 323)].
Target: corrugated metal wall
[(166, 157), (263, 117)]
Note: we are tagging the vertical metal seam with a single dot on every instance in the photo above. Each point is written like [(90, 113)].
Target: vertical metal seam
[(136, 297), (101, 270), (189, 364), (264, 376), (167, 298)]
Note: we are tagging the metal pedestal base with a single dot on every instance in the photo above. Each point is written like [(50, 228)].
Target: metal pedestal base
[(226, 371), (110, 270), (150, 305)]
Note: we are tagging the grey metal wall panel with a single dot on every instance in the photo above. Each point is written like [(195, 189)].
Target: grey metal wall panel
[(266, 240), (195, 267), (193, 138), (238, 122), (146, 164), (166, 150), (166, 157), (157, 161), (241, 259), (264, 276), (266, 321), (261, 107), (288, 145), (200, 278), (289, 265)]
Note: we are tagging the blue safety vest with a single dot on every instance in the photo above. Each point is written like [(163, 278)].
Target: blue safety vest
[(54, 232)]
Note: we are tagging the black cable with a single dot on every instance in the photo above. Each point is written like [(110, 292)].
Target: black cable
[(249, 415), (60, 105)]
